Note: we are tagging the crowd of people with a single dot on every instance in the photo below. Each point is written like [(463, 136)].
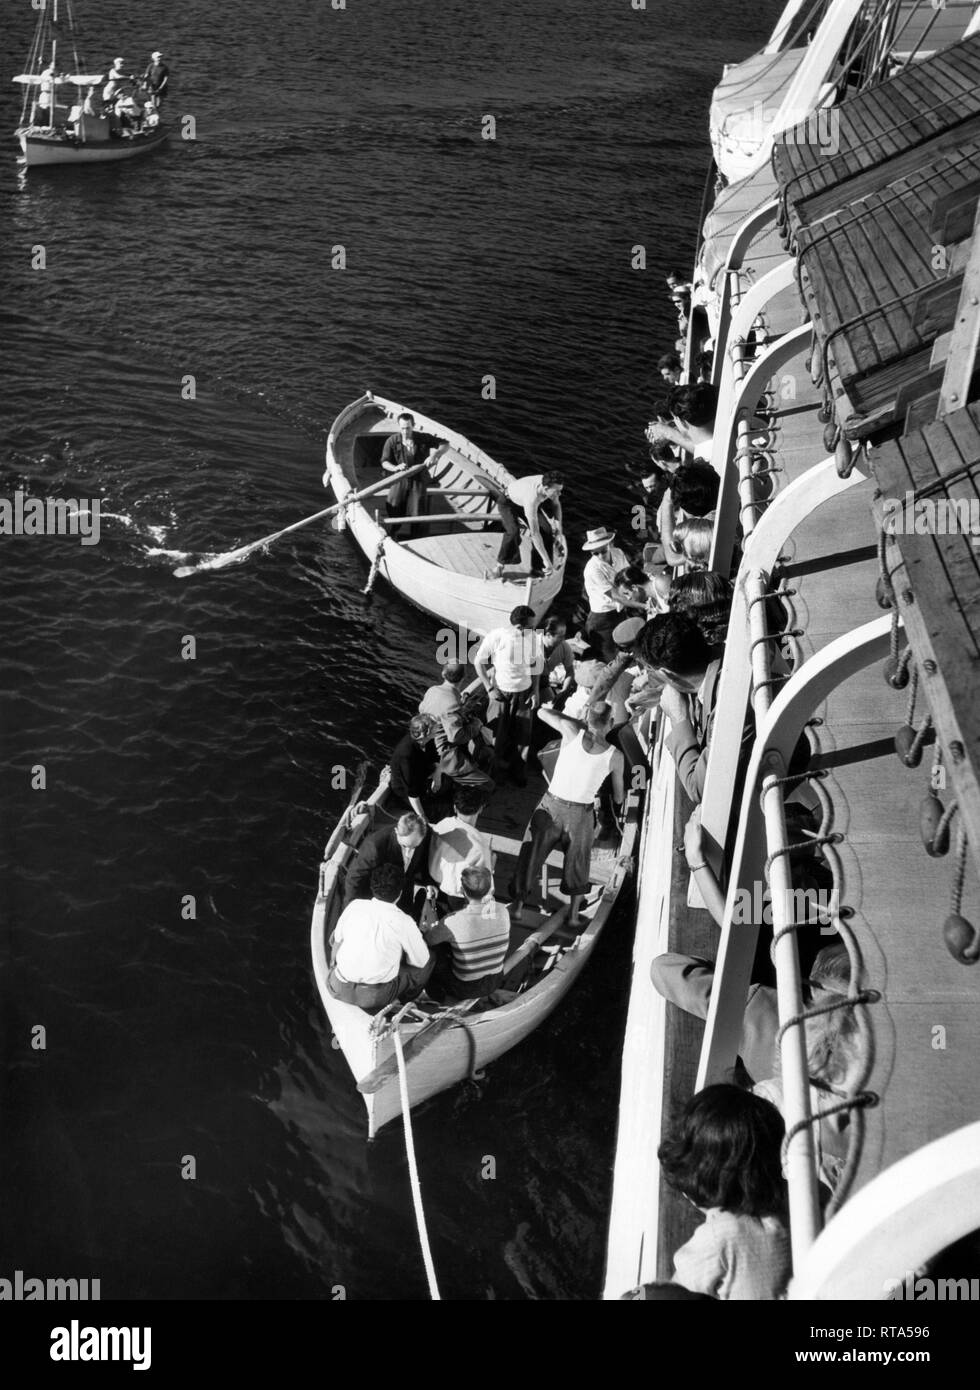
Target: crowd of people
[(130, 102), (648, 637)]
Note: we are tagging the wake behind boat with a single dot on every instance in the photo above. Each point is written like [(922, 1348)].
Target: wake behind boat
[(103, 120), (445, 563)]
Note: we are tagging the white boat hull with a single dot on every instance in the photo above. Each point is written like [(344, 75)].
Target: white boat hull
[(42, 149), (465, 601)]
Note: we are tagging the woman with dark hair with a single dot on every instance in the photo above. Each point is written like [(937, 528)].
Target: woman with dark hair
[(705, 596), (724, 1157)]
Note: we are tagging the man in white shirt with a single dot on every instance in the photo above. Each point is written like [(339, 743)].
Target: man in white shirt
[(378, 954), (458, 845), (516, 654), (606, 603), (519, 506)]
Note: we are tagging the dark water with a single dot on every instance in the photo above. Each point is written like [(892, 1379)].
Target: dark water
[(212, 777)]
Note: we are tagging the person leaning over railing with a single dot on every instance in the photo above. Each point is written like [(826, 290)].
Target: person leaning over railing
[(673, 645)]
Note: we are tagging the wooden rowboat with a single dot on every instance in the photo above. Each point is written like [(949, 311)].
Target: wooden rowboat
[(442, 570), (462, 1041)]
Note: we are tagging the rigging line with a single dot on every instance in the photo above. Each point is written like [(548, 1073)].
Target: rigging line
[(790, 43), (413, 1172)]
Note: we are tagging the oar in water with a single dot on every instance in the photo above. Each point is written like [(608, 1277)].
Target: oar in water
[(428, 1034), (234, 557)]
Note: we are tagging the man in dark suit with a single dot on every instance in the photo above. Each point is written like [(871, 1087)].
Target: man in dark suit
[(408, 496), (405, 845)]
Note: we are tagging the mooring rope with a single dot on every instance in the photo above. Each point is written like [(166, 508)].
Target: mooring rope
[(413, 1171)]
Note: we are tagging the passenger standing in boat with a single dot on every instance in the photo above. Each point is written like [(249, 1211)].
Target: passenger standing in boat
[(405, 845), (408, 496), (521, 507), (45, 106), (156, 79), (115, 83), (377, 952), (457, 845), (605, 605), (516, 655), (477, 938), (724, 1157), (564, 817)]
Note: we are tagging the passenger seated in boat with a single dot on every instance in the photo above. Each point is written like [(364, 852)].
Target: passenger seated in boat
[(457, 845), (463, 753), (92, 105), (377, 953), (564, 817), (474, 941), (413, 764), (521, 506), (516, 656), (129, 112), (692, 411), (408, 496), (672, 645), (405, 845), (724, 1157)]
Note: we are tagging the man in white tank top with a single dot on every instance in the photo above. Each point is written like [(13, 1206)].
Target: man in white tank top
[(564, 816)]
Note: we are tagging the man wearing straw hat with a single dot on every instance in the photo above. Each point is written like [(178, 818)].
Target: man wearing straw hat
[(605, 602)]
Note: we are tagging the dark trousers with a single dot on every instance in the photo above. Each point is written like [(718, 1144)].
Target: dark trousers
[(406, 985), (599, 630), (510, 708)]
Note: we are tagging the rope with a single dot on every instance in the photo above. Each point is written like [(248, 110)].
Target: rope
[(375, 566), (413, 1172), (959, 870)]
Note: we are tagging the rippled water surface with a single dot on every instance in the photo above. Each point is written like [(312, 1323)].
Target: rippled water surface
[(213, 777)]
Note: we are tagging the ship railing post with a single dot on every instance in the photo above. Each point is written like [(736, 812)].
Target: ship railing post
[(789, 510)]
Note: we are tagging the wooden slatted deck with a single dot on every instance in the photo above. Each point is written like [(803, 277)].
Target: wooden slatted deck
[(865, 268), (921, 102)]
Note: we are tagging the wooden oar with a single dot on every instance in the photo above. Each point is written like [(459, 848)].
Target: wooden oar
[(342, 826), (427, 1035), (234, 557)]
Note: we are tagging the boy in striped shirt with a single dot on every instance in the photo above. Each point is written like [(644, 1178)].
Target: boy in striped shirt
[(477, 936)]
